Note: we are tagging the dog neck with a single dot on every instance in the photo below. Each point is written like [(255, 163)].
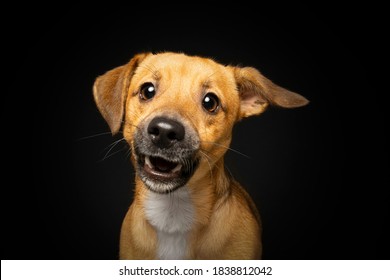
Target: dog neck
[(176, 214), (172, 217)]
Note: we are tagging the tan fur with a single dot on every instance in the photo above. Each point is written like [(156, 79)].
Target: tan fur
[(227, 225)]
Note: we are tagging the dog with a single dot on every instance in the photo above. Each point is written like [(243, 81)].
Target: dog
[(177, 112)]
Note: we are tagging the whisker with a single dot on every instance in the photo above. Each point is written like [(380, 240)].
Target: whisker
[(208, 162), (230, 172), (230, 149), (92, 136), (110, 155), (102, 133), (209, 157), (111, 146), (128, 154), (133, 125)]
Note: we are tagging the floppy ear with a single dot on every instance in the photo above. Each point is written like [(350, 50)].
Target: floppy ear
[(110, 91), (257, 92)]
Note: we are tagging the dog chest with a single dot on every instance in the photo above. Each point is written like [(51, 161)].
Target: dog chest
[(172, 216)]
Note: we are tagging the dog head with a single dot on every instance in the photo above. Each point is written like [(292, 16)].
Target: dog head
[(179, 112)]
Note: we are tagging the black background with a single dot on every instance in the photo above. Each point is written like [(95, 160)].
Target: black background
[(319, 174)]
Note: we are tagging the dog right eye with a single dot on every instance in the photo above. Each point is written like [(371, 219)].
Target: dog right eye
[(147, 91), (210, 102)]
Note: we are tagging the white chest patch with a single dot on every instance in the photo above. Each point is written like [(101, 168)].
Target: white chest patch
[(172, 216)]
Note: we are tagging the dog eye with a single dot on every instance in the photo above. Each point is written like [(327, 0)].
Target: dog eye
[(147, 91), (210, 102)]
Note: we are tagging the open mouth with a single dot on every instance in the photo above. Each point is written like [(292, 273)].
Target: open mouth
[(162, 169), (162, 175)]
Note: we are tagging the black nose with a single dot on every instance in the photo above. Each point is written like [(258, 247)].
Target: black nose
[(165, 132)]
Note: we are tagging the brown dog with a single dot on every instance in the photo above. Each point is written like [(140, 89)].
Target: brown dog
[(179, 112)]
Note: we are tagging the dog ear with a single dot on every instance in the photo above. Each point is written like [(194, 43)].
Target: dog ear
[(257, 92), (110, 91)]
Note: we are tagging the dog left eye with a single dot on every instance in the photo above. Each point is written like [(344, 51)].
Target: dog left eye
[(210, 102), (147, 91)]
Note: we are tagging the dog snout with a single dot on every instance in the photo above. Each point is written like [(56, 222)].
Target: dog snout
[(164, 132)]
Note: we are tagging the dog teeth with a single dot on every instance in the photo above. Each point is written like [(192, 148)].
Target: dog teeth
[(148, 163), (177, 168)]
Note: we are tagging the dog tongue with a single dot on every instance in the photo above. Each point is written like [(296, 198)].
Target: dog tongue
[(162, 164)]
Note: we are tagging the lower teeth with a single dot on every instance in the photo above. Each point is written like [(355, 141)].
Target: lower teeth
[(177, 168), (148, 163)]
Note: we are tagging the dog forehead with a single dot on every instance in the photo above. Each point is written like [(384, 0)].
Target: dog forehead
[(182, 64)]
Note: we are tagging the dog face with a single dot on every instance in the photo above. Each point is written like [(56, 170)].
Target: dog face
[(180, 110)]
